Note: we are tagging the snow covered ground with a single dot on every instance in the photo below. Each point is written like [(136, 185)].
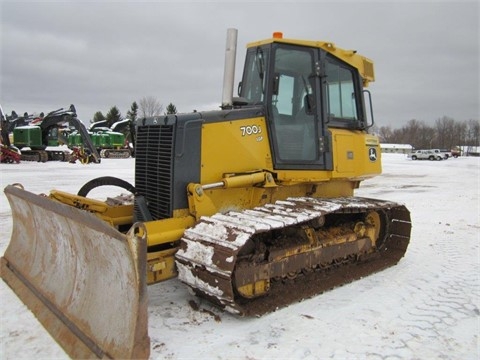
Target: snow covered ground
[(426, 307)]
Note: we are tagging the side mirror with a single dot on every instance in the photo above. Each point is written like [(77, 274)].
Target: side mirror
[(372, 120)]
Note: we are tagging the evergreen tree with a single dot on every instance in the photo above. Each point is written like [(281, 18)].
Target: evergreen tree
[(113, 116), (133, 112), (129, 131), (171, 109), (98, 116)]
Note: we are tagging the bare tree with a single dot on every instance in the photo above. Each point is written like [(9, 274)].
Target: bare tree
[(473, 132), (446, 134), (459, 134), (385, 133), (445, 127), (149, 106), (412, 133), (426, 136)]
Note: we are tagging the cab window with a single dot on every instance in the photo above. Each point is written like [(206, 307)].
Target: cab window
[(253, 84), (341, 99)]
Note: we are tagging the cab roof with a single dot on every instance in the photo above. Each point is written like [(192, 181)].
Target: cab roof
[(351, 57)]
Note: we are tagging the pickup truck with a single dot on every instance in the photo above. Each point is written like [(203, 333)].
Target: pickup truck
[(456, 152), (445, 153), (426, 155)]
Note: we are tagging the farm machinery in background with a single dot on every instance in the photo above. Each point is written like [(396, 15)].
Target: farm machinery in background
[(252, 206), (8, 152), (37, 141), (110, 142)]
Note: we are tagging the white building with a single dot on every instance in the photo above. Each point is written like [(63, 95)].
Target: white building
[(396, 148), (469, 150)]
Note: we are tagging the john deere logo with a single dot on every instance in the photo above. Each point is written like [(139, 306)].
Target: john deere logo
[(372, 154)]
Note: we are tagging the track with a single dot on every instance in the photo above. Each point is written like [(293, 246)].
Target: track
[(34, 155), (115, 153), (45, 155), (256, 261)]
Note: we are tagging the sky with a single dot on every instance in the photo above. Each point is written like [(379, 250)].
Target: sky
[(101, 54)]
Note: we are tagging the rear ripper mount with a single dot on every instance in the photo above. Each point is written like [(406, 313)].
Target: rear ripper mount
[(256, 261)]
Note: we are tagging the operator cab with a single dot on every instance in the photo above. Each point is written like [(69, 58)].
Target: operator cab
[(305, 90)]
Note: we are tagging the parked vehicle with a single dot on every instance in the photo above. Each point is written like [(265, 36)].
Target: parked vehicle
[(443, 152), (456, 152), (426, 155)]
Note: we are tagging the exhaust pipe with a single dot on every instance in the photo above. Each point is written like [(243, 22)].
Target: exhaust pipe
[(229, 70)]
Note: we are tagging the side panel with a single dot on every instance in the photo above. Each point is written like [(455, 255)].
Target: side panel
[(175, 150), (356, 155), (233, 147), (27, 136)]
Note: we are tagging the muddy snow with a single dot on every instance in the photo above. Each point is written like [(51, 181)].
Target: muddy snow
[(425, 307)]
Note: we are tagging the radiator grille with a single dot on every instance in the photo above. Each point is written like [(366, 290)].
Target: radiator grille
[(153, 169)]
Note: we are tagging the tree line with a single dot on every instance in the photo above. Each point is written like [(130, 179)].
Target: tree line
[(446, 133), (146, 107)]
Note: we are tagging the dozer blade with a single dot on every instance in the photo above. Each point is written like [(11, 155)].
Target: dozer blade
[(83, 280)]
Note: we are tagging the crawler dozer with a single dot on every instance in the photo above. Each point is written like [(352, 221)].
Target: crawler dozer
[(251, 205)]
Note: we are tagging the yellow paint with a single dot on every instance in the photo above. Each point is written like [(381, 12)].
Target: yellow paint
[(115, 215), (167, 230), (362, 63), (233, 147), (255, 289), (351, 154), (161, 265)]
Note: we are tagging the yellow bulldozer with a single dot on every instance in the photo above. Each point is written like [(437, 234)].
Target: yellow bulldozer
[(251, 205)]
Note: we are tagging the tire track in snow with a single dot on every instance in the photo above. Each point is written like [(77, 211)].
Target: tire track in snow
[(445, 305)]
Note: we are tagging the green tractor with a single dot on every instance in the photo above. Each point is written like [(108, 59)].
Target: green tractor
[(45, 132), (111, 142)]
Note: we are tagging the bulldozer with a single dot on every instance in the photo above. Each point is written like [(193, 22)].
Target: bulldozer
[(251, 205)]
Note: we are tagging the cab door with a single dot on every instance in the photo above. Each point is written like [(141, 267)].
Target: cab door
[(294, 111)]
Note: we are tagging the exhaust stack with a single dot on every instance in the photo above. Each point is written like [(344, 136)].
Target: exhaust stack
[(229, 70)]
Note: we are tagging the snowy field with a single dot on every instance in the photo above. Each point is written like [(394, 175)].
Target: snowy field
[(426, 307)]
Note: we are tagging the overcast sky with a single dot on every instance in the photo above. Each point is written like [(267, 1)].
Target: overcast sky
[(110, 53)]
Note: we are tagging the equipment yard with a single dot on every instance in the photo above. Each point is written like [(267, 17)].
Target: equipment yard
[(427, 306)]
